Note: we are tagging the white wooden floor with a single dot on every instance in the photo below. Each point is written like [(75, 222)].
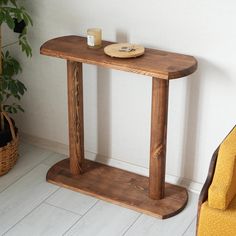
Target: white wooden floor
[(31, 206)]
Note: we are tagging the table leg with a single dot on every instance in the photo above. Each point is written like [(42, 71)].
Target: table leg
[(109, 183), (75, 116), (160, 89)]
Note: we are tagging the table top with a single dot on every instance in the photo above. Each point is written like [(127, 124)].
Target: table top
[(154, 63)]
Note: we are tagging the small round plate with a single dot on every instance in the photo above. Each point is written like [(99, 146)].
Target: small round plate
[(124, 50)]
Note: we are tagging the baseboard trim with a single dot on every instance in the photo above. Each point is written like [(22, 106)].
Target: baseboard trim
[(45, 143), (64, 149)]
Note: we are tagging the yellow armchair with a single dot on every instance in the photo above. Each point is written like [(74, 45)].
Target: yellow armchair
[(217, 201)]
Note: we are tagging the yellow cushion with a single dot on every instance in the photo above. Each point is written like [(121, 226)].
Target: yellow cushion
[(215, 222), (223, 187)]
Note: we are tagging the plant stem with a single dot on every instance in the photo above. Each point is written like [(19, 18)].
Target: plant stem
[(10, 44)]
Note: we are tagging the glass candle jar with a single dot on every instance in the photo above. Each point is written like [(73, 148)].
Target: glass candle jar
[(94, 38)]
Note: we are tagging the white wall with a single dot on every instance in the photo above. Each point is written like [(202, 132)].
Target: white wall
[(117, 104)]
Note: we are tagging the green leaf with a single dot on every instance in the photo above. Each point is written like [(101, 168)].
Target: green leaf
[(13, 2), (25, 19), (29, 18), (20, 108), (4, 84), (17, 96), (9, 20), (21, 87), (13, 87), (1, 97), (3, 2), (14, 110), (25, 45), (10, 86), (10, 65), (2, 15)]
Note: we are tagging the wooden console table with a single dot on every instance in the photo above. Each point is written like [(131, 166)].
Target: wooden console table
[(149, 195)]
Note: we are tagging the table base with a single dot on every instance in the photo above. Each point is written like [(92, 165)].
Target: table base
[(119, 187)]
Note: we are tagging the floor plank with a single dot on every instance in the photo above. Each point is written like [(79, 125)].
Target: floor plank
[(53, 158), (30, 156), (191, 231), (177, 225), (104, 219), (23, 196), (72, 201), (31, 206), (44, 220)]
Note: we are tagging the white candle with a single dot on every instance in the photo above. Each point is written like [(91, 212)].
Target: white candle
[(94, 38)]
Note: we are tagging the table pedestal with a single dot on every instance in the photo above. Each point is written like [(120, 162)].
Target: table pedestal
[(148, 195), (120, 187)]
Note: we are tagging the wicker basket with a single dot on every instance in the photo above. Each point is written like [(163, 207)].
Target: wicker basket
[(9, 153)]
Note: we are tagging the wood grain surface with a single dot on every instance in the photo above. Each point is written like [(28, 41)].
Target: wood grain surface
[(75, 116), (120, 187), (160, 90), (154, 63), (148, 195)]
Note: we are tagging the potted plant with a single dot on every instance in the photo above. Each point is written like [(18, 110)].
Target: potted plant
[(18, 20)]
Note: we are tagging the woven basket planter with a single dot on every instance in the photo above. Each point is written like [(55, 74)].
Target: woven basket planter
[(9, 153)]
